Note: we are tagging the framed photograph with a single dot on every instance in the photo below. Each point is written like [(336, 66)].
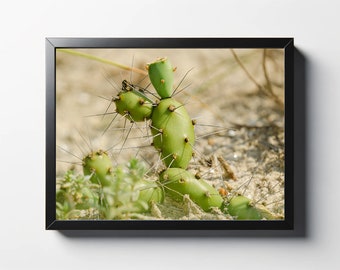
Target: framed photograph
[(169, 134)]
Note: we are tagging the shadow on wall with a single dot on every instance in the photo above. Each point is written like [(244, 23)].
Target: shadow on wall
[(300, 181)]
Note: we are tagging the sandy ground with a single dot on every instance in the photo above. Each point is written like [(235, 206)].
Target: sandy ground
[(236, 98)]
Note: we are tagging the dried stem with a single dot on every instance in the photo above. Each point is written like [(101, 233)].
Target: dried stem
[(267, 90), (102, 60)]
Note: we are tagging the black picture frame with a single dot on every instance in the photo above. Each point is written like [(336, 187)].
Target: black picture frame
[(292, 219)]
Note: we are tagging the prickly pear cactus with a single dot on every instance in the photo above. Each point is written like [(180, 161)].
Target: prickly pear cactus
[(178, 182), (132, 104), (173, 133), (241, 208), (98, 165), (161, 76), (148, 192)]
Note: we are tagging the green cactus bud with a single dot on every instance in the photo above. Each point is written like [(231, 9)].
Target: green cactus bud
[(178, 182), (99, 166), (161, 76), (173, 133), (241, 208), (133, 106)]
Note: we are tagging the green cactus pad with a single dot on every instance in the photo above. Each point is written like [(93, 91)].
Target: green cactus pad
[(148, 192), (133, 106), (99, 166), (161, 76), (173, 133), (240, 208), (178, 182)]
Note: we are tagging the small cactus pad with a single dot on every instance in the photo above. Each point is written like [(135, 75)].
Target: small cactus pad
[(178, 182), (161, 76), (148, 193), (133, 106), (98, 165), (173, 133), (240, 208)]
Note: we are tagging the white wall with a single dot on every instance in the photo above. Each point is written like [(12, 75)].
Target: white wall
[(24, 244)]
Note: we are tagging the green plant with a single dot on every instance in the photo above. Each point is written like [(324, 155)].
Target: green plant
[(240, 208), (171, 125), (98, 166), (106, 194), (77, 197), (178, 182), (161, 76), (132, 104), (173, 133)]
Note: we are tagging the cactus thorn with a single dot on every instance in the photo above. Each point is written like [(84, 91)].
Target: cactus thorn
[(174, 69), (198, 175), (162, 81), (194, 122)]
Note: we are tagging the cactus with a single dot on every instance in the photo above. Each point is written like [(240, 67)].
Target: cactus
[(148, 192), (161, 77), (173, 133), (98, 165), (133, 104), (240, 207), (171, 126), (178, 182)]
